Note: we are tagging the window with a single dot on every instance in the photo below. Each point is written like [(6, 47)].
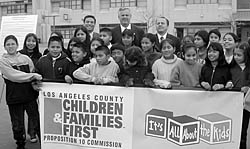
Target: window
[(55, 7), (16, 7), (66, 31), (203, 1), (86, 5), (180, 3), (243, 4), (127, 3), (104, 4), (70, 4), (225, 2)]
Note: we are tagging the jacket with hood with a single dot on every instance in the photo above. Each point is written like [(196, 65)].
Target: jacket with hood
[(17, 73), (53, 68)]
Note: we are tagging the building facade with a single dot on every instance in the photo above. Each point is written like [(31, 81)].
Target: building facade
[(185, 16), (242, 19)]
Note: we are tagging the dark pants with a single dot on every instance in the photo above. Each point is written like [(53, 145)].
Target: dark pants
[(32, 125), (17, 119), (245, 123)]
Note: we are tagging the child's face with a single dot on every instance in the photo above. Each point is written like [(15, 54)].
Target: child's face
[(71, 45), (127, 40), (190, 56), (167, 50), (11, 47), (213, 55), (214, 38), (146, 44), (239, 56), (198, 41), (106, 38), (94, 45), (228, 42), (55, 48), (78, 54), (101, 57), (187, 40), (31, 43), (81, 35), (117, 55)]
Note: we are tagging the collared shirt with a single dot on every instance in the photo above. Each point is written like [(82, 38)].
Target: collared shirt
[(91, 35), (109, 46), (164, 36), (123, 28)]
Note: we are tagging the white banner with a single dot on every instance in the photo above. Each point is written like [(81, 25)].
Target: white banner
[(88, 116)]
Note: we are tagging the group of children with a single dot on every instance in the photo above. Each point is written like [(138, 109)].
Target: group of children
[(204, 63)]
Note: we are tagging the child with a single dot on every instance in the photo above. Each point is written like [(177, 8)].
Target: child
[(148, 47), (95, 42), (240, 78), (163, 67), (230, 40), (101, 71), (201, 41), (72, 41), (136, 70), (106, 36), (117, 52), (82, 34), (185, 40), (58, 34), (215, 74), (214, 35), (128, 37), (31, 49), (187, 72), (17, 71), (79, 59), (53, 65)]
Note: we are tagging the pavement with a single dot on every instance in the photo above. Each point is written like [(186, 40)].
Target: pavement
[(6, 135)]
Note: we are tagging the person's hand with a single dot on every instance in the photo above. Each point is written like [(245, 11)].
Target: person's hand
[(206, 85), (244, 89), (36, 76), (36, 85), (68, 79), (218, 86), (149, 83), (98, 81), (129, 82), (229, 85)]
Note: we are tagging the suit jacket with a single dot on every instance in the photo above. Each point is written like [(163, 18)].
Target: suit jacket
[(176, 40), (117, 34)]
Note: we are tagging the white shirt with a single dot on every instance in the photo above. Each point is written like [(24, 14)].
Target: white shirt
[(123, 28), (109, 46), (164, 36), (91, 35)]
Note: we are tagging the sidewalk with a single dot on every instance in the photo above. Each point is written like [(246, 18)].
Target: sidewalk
[(6, 135)]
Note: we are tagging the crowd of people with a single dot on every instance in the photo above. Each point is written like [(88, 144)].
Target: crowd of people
[(125, 56)]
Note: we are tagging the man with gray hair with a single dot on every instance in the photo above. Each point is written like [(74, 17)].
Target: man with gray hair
[(124, 16)]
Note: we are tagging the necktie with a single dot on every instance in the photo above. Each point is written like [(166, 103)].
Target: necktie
[(162, 38)]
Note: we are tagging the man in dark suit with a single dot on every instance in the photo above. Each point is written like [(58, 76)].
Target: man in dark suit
[(89, 22), (124, 16), (162, 24)]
